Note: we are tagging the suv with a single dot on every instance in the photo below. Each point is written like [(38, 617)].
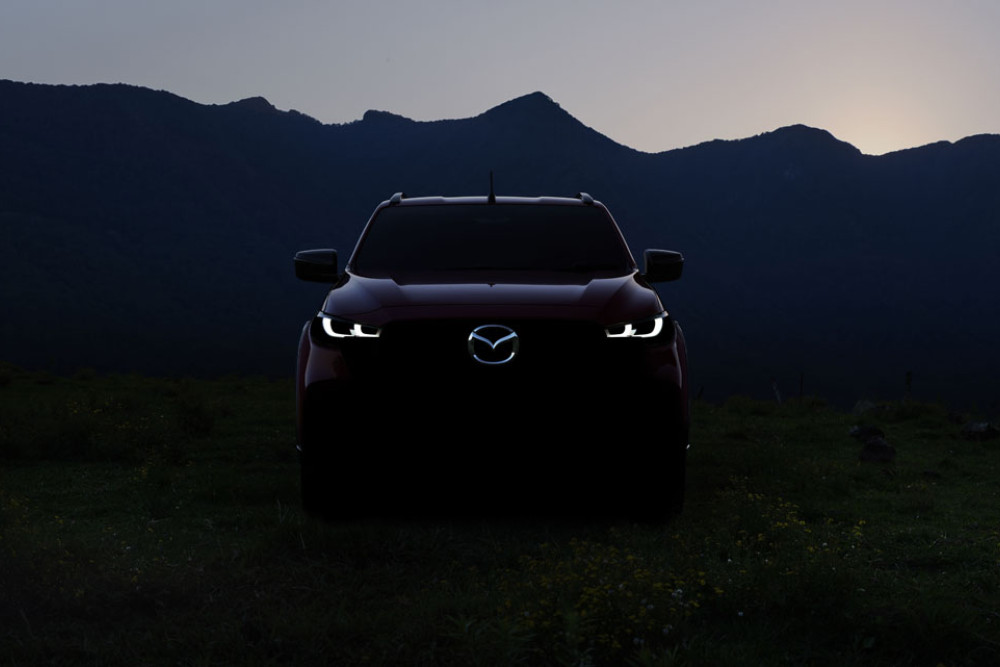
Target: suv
[(492, 353)]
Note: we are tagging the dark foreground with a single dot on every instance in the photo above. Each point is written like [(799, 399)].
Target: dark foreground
[(157, 522)]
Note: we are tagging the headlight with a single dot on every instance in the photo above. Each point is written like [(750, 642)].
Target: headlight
[(650, 328), (334, 327)]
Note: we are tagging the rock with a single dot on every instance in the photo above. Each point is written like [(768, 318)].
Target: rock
[(877, 450)]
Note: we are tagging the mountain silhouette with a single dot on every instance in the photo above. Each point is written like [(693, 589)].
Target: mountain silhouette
[(147, 232)]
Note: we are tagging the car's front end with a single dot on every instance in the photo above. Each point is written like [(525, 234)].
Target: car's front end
[(485, 357)]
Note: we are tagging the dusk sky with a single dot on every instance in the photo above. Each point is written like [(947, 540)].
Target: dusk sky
[(882, 75)]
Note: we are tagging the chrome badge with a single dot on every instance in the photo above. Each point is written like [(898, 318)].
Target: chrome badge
[(493, 344)]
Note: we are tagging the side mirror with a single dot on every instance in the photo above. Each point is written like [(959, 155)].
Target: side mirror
[(663, 265), (318, 266)]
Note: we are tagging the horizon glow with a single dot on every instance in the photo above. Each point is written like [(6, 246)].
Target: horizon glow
[(654, 76)]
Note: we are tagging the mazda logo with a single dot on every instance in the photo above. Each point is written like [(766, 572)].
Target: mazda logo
[(493, 344)]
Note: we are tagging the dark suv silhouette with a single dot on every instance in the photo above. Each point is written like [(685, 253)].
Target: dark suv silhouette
[(492, 354)]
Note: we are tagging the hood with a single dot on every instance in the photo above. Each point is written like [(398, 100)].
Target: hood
[(377, 301)]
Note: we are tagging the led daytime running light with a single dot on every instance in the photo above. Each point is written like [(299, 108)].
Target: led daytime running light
[(631, 332), (355, 330)]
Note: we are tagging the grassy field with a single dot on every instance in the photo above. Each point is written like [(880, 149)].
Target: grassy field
[(156, 521)]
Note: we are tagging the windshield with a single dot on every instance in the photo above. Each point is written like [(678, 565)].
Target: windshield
[(471, 237)]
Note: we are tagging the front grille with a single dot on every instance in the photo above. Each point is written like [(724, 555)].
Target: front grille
[(567, 374), (439, 349), (543, 344)]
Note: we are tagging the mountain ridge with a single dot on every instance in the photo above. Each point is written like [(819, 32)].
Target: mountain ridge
[(163, 229), (524, 105)]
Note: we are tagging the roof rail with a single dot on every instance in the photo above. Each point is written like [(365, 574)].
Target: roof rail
[(584, 197), (396, 198)]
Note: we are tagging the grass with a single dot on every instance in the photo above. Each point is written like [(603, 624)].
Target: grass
[(156, 522)]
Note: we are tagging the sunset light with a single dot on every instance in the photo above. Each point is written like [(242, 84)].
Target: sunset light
[(654, 76)]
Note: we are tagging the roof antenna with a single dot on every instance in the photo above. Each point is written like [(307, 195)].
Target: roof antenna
[(492, 199)]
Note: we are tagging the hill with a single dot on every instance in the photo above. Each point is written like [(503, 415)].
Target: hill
[(147, 232)]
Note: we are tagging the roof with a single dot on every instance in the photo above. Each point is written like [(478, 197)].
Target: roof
[(400, 199)]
